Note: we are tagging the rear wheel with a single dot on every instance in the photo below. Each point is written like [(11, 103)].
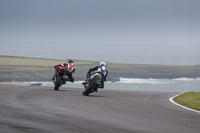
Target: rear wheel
[(89, 89), (57, 83)]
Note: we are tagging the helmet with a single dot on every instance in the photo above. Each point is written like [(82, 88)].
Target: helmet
[(102, 63), (71, 62)]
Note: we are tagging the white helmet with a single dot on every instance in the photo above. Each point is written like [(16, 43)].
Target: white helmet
[(102, 63)]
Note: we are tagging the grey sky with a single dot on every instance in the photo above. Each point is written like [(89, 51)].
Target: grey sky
[(129, 23), (102, 21)]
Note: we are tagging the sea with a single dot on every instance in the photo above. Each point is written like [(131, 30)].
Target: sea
[(137, 84), (140, 54)]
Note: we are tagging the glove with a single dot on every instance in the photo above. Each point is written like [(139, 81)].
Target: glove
[(89, 71)]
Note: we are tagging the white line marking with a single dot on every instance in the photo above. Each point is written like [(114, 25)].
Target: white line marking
[(171, 100)]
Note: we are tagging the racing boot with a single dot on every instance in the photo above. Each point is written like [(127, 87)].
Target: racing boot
[(85, 82), (54, 76), (101, 85)]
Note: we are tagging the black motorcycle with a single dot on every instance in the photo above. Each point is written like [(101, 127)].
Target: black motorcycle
[(60, 78), (92, 83)]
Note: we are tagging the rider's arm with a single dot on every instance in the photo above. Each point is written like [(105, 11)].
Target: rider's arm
[(92, 69), (58, 66)]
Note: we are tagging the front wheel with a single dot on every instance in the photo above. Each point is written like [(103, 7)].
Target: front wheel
[(57, 83), (89, 89)]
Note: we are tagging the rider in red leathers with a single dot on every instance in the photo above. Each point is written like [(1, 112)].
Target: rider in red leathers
[(70, 69)]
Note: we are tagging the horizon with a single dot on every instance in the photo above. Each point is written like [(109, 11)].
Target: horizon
[(139, 31), (13, 56)]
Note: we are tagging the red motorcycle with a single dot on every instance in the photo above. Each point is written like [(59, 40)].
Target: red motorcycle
[(61, 77)]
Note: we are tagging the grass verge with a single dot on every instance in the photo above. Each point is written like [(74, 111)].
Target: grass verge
[(189, 99)]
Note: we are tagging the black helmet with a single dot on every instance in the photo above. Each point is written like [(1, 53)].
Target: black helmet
[(71, 62)]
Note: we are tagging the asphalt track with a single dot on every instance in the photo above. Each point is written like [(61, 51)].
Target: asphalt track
[(36, 109)]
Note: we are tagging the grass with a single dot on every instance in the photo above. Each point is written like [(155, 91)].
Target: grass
[(189, 99), (21, 68), (20, 61)]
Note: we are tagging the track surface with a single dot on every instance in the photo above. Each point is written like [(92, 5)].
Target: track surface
[(36, 109)]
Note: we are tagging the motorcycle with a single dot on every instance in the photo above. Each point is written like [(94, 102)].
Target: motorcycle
[(92, 83), (60, 78)]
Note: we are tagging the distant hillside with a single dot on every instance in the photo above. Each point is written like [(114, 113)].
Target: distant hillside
[(38, 69)]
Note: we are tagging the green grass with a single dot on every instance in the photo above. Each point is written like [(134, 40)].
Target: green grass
[(20, 68), (189, 99), (20, 61)]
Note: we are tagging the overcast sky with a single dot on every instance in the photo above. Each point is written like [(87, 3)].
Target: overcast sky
[(102, 21), (106, 22)]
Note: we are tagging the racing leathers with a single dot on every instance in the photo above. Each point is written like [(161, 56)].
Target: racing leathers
[(103, 71), (70, 69)]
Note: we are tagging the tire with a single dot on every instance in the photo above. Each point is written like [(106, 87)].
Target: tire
[(89, 90), (57, 83)]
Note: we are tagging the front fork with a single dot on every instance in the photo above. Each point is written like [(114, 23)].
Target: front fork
[(86, 85), (64, 79), (95, 88)]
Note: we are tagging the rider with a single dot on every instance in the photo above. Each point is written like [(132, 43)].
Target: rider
[(70, 70), (102, 69)]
